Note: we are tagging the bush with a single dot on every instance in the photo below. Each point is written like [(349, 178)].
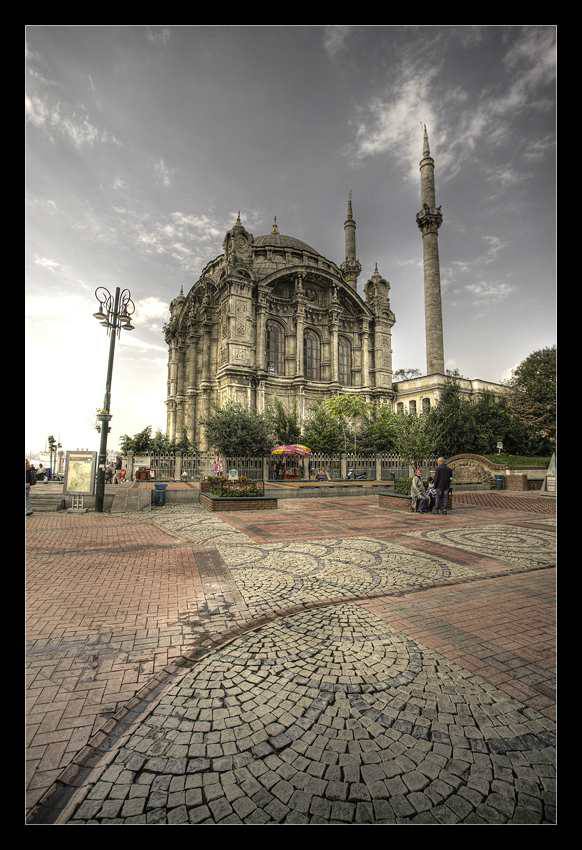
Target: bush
[(238, 489), (402, 486)]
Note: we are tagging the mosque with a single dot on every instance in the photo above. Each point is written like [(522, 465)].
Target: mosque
[(271, 318)]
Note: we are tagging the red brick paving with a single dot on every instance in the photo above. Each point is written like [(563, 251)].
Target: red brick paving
[(110, 597), (501, 629)]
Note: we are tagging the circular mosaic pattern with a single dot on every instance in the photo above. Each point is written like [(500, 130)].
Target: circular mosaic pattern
[(524, 547), (329, 716)]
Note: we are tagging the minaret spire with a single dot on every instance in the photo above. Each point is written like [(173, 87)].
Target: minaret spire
[(429, 219), (425, 147), (351, 268)]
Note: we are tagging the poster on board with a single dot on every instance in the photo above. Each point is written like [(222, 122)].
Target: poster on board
[(80, 469)]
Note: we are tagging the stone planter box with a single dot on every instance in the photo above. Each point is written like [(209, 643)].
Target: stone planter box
[(394, 501), (237, 503)]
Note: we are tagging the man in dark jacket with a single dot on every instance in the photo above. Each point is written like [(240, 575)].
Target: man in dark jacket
[(442, 483)]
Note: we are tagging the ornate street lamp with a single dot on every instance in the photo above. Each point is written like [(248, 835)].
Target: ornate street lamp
[(115, 312)]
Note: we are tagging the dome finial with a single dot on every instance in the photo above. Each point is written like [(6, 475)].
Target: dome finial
[(238, 217), (182, 290), (275, 228), (376, 269)]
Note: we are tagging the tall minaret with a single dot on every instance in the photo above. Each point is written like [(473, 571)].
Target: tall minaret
[(351, 268), (429, 219)]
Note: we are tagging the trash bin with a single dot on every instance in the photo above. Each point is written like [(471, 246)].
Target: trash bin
[(500, 482), (160, 495)]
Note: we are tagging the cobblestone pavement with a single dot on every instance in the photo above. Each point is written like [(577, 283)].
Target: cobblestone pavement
[(116, 600)]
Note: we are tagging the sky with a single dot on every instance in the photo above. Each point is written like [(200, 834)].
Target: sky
[(142, 143)]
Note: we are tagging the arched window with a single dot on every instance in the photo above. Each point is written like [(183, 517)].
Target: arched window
[(412, 407), (345, 362), (400, 407), (275, 343), (425, 405), (311, 356)]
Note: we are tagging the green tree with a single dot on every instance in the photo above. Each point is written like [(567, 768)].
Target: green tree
[(378, 431), (285, 426), (140, 443), (183, 444), (452, 423), (161, 444), (323, 432), (412, 438), (533, 398), (350, 411), (234, 430)]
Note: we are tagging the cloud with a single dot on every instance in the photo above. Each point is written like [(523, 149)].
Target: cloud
[(505, 176), (163, 173), (118, 183), (72, 125), (390, 123), (334, 38), (536, 150), (486, 294), (151, 310), (161, 36), (46, 263)]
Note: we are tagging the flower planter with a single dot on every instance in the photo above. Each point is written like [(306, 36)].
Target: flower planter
[(237, 503)]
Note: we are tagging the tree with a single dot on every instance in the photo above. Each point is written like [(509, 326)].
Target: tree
[(406, 374), (234, 430), (533, 399), (183, 443), (161, 444), (413, 438), (452, 422), (323, 432), (349, 410), (140, 443), (285, 426), (378, 430)]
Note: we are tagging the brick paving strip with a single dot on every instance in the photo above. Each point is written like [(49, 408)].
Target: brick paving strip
[(214, 609)]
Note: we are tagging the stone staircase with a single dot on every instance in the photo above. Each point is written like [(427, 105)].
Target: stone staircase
[(46, 501)]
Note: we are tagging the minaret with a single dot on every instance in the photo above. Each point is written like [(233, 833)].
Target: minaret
[(429, 219), (351, 268)]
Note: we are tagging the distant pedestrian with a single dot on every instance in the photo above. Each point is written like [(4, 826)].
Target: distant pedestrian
[(109, 470), (40, 473), (217, 467), (442, 485), (30, 479)]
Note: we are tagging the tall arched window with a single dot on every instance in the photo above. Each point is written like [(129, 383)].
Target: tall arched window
[(400, 407), (412, 407), (275, 342), (426, 405), (345, 362), (311, 356)]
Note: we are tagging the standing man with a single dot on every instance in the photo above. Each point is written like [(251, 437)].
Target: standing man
[(442, 483), (30, 479)]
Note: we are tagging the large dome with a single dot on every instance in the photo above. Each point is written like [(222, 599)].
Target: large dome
[(279, 240)]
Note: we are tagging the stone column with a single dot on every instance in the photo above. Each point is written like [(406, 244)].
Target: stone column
[(334, 347), (365, 354), (261, 331), (178, 466)]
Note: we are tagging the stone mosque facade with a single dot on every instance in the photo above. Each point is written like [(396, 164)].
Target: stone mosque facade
[(271, 318)]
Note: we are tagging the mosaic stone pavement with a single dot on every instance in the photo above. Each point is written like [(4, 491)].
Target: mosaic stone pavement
[(521, 547), (198, 526), (329, 716), (271, 575)]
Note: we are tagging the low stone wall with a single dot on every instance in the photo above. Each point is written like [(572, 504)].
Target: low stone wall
[(516, 481), (249, 503), (394, 501)]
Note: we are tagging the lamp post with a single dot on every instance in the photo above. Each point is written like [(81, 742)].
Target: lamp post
[(115, 314), (52, 447)]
